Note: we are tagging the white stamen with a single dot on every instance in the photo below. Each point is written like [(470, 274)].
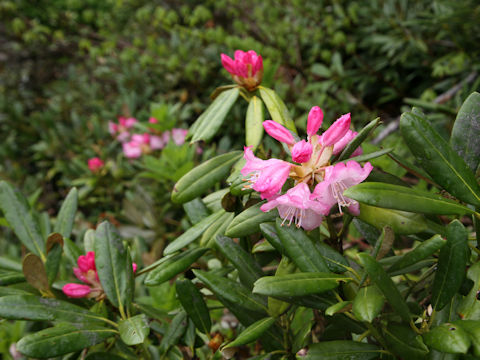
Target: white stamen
[(337, 190)]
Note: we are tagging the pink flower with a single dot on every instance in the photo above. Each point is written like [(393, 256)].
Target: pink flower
[(121, 130), (178, 136), (86, 272), (95, 164), (337, 179), (278, 132), (297, 206), (340, 144), (314, 121), (246, 68), (301, 151), (156, 142), (336, 131), (142, 144), (266, 176), (152, 120)]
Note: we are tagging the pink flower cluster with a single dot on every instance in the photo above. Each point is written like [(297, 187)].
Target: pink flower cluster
[(312, 171), (95, 164), (135, 145), (86, 272), (246, 68)]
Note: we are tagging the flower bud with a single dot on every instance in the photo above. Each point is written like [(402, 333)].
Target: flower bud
[(315, 118), (278, 132), (301, 152), (95, 164), (336, 131), (246, 69)]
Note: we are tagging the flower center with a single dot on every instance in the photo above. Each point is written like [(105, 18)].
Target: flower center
[(337, 190), (294, 213)]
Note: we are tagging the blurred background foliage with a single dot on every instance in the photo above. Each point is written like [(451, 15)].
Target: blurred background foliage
[(69, 66)]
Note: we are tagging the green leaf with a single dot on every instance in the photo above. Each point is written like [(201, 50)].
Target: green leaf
[(334, 260), (17, 213), (66, 215), (252, 333), (384, 243), (466, 131), (54, 256), (440, 161), (404, 342), (72, 251), (11, 277), (174, 331), (402, 198), (277, 307), (248, 221), (217, 228), (111, 262), (35, 308), (254, 122), (173, 266), (386, 285), (449, 338), (196, 210), (298, 284), (472, 328), (193, 303), (270, 232), (62, 339), (369, 156), (212, 118), (200, 179), (342, 349), (301, 249), (469, 307), (357, 140), (368, 303), (232, 291), (248, 269), (192, 233), (276, 107), (338, 307), (451, 265), (134, 330), (422, 251), (401, 222)]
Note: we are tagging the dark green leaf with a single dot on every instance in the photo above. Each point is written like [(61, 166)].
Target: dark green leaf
[(173, 266), (469, 307), (134, 330), (334, 260), (440, 161), (298, 284), (210, 121), (472, 328), (66, 215), (402, 198), (204, 176), (174, 331), (301, 249), (248, 221), (277, 307), (386, 285), (217, 228), (422, 251), (62, 339), (405, 343), (11, 277), (369, 156), (448, 338), (252, 333), (54, 256), (192, 233), (111, 262), (342, 350), (466, 131), (451, 265), (196, 210), (368, 303), (254, 122), (193, 303), (357, 140), (270, 232), (17, 213), (248, 269)]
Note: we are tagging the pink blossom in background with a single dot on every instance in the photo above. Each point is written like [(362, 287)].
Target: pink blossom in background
[(95, 164), (298, 207), (121, 129), (338, 178), (178, 136), (246, 68), (152, 120), (265, 176), (86, 272)]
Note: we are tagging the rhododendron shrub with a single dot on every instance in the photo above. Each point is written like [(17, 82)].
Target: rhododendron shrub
[(307, 250)]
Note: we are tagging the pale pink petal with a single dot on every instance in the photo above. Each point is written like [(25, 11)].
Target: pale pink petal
[(337, 130), (272, 177), (76, 290), (252, 163), (156, 142), (178, 136), (132, 149), (340, 144), (130, 122), (278, 132), (301, 152), (314, 121), (112, 127), (80, 275)]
